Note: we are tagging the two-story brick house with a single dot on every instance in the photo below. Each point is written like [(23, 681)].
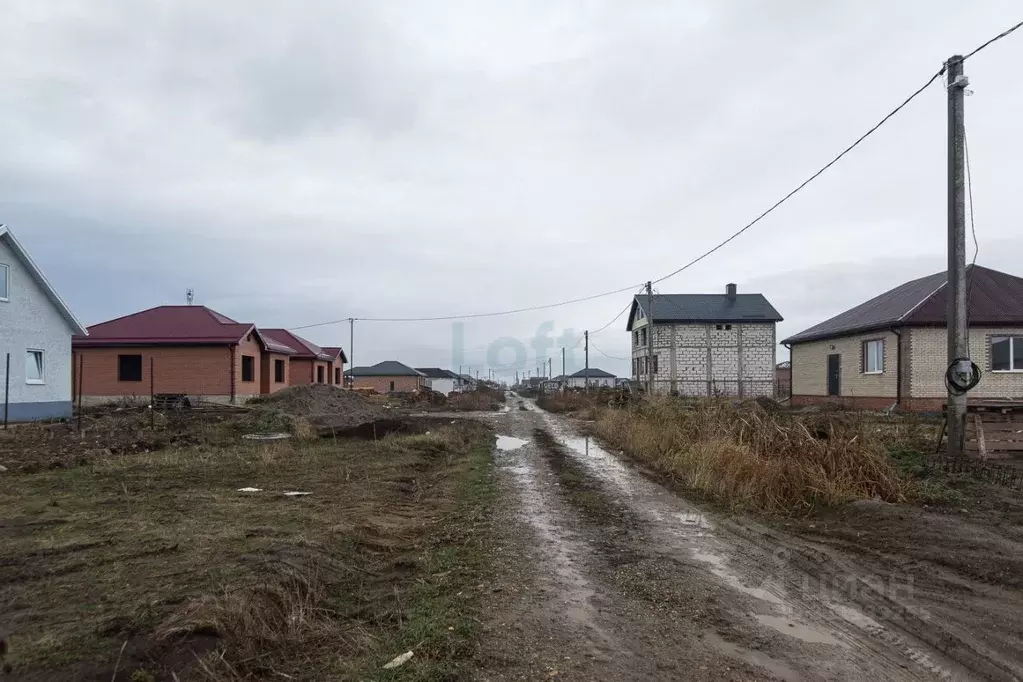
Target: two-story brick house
[(892, 351), (704, 344)]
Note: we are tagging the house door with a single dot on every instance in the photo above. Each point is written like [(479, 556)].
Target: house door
[(834, 374)]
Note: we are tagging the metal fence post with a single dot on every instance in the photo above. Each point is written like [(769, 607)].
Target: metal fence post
[(81, 368)]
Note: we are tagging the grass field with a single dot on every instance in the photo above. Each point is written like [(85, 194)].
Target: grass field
[(154, 565)]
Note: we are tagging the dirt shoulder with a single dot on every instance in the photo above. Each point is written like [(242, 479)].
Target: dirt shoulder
[(156, 563)]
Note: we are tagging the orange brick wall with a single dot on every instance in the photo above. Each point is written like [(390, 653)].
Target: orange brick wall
[(248, 346), (267, 384), (198, 371), (383, 384), (303, 371)]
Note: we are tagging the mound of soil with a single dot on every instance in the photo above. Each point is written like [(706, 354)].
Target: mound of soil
[(324, 405)]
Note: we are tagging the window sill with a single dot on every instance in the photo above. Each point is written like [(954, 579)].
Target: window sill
[(1007, 371), (35, 382), (867, 374)]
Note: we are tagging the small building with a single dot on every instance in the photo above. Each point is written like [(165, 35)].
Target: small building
[(704, 344), (389, 376), (36, 326), (440, 380), (309, 364), (592, 377), (184, 350), (892, 350)]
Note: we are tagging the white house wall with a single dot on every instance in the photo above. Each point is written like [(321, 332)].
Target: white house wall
[(29, 320), (445, 386)]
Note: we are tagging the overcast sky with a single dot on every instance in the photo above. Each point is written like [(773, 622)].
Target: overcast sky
[(297, 162)]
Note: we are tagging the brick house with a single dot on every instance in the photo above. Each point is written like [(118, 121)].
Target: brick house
[(309, 364), (704, 344), (389, 376), (338, 361), (892, 350), (178, 350)]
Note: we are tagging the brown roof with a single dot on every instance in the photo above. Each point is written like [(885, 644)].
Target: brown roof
[(304, 349), (166, 325), (995, 298), (334, 351)]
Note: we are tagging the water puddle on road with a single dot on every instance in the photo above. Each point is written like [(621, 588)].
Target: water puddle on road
[(509, 443), (757, 658), (787, 627)]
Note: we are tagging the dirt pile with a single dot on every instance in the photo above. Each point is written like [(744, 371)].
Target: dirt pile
[(323, 405)]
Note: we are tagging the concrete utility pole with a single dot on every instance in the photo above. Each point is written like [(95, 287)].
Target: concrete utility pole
[(649, 338), (550, 368), (351, 346), (957, 332), (564, 375), (586, 377)]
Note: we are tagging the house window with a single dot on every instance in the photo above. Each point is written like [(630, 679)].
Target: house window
[(635, 337), (1007, 353), (129, 368), (392, 386), (34, 367), (319, 374), (719, 327), (248, 368), (279, 371), (337, 375), (653, 364), (873, 356), (5, 282), (642, 335), (728, 327)]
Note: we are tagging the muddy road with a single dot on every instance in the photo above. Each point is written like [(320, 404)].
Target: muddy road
[(606, 575)]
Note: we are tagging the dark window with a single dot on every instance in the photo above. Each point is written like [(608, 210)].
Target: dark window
[(279, 371), (642, 336), (392, 386), (718, 327), (319, 374), (1006, 353), (129, 368), (728, 327), (337, 375), (248, 368), (653, 361)]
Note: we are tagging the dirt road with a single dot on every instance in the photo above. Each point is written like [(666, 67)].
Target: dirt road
[(606, 575)]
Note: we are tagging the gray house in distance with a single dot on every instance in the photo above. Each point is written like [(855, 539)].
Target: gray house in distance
[(35, 333), (704, 344)]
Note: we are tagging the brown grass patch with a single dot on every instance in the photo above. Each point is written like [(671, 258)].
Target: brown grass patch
[(749, 456)]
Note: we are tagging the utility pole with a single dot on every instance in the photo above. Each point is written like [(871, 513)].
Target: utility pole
[(351, 347), (550, 368), (586, 374), (564, 376), (649, 338), (957, 333)]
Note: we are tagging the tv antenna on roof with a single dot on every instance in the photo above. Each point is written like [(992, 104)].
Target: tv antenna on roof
[(189, 296)]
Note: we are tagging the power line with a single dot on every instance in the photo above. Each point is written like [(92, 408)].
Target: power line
[(610, 357), (699, 258)]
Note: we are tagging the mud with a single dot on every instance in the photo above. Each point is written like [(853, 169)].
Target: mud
[(607, 575)]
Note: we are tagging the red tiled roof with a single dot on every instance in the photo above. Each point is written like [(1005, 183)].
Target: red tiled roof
[(166, 325), (304, 349), (334, 351)]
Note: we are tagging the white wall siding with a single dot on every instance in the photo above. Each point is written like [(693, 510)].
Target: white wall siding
[(445, 386), (30, 320)]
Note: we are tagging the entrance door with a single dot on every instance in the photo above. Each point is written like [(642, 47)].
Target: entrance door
[(834, 374)]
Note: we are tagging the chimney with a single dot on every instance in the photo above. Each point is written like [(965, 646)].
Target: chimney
[(730, 292)]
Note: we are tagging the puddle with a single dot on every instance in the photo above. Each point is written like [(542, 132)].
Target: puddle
[(509, 443), (787, 627), (250, 490), (295, 493), (757, 658)]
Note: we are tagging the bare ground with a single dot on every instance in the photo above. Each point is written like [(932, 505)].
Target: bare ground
[(605, 574)]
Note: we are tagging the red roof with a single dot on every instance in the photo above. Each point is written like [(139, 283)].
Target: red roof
[(334, 351), (166, 325), (305, 349)]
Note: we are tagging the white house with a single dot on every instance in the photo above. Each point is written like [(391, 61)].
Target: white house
[(440, 380), (35, 338), (594, 377)]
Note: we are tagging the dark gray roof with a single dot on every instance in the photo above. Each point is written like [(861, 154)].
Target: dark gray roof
[(996, 298), (592, 373), (436, 373), (387, 368), (705, 308)]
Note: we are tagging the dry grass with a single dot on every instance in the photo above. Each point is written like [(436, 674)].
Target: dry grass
[(750, 456), (159, 554), (482, 399)]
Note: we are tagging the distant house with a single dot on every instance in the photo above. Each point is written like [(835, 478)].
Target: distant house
[(180, 350), (310, 364), (593, 377), (892, 349), (783, 379), (35, 338), (440, 380), (389, 376), (338, 362), (704, 344), (466, 382)]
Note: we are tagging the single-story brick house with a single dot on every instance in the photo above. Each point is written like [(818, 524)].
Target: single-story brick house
[(593, 377), (389, 376), (893, 349), (192, 351), (310, 364)]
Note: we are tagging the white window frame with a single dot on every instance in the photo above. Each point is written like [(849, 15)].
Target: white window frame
[(42, 356), (1012, 341), (866, 356), (5, 275)]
